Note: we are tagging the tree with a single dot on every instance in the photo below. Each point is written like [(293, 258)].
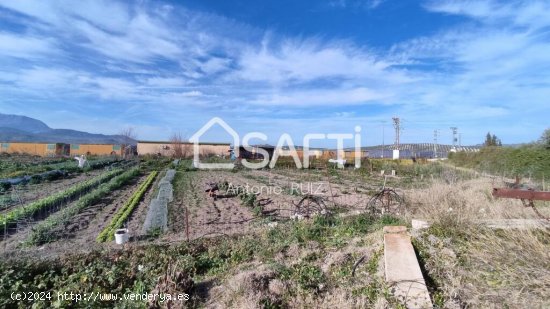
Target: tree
[(179, 147), (545, 139), (492, 140), (488, 139), (128, 137)]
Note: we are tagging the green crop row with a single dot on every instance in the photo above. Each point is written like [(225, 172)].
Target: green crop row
[(125, 211), (45, 231), (55, 199)]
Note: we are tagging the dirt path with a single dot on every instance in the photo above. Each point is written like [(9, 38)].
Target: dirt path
[(347, 195)]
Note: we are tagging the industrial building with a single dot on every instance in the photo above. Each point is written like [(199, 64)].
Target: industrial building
[(96, 149), (61, 149), (37, 149)]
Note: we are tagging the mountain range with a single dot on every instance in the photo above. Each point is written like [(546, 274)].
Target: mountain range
[(16, 128)]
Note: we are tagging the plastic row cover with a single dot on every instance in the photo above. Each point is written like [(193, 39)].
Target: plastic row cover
[(157, 214)]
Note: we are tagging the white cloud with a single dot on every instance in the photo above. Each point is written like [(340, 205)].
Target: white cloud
[(533, 14), (26, 47), (166, 82), (308, 61), (139, 44), (215, 65), (193, 93), (322, 97), (366, 4)]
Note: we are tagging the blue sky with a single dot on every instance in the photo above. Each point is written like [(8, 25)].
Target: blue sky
[(279, 67)]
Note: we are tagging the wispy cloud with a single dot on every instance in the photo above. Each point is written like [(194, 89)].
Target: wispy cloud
[(332, 97), (365, 4), (304, 61), (532, 14), (26, 47)]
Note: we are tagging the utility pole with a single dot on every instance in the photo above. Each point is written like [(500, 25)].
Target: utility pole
[(435, 143), (459, 139), (455, 139), (396, 125)]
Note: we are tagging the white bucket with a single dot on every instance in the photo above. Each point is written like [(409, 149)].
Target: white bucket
[(121, 236)]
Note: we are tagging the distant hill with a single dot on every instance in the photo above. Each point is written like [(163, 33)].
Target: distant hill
[(15, 128), (23, 123)]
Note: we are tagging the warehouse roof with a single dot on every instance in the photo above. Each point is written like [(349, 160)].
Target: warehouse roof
[(171, 142)]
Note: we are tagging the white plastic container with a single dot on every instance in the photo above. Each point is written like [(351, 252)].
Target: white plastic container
[(121, 236)]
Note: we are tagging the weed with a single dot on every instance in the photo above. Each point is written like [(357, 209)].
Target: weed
[(308, 276)]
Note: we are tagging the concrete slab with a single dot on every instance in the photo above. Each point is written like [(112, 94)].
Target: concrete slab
[(402, 269), (521, 224)]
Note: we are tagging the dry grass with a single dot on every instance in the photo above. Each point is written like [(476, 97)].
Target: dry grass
[(262, 285), (510, 268), (465, 202), (476, 267)]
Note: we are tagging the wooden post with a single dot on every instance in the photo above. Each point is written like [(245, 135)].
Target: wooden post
[(187, 223), (330, 188)]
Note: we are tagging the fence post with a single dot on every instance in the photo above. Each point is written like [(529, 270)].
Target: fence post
[(187, 223)]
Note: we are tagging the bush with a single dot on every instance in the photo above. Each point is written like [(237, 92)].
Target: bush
[(524, 161)]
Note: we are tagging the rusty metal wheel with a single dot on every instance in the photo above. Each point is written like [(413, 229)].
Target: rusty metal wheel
[(387, 201), (311, 205)]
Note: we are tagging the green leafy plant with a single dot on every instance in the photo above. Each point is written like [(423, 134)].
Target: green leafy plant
[(125, 211)]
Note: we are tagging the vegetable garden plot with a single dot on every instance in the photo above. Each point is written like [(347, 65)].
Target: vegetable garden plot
[(28, 193), (44, 206), (29, 187), (224, 214), (46, 230), (11, 171)]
